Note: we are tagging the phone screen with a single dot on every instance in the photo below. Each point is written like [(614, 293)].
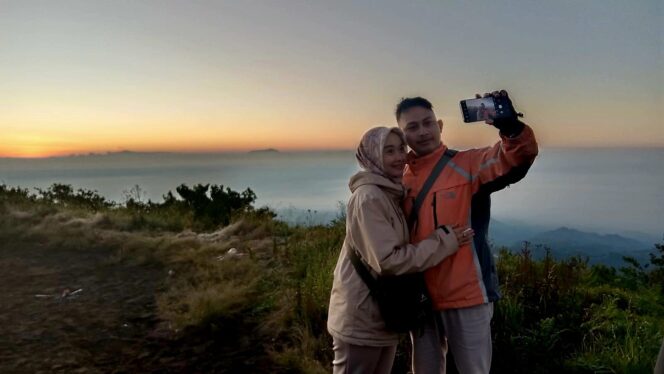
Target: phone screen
[(483, 109)]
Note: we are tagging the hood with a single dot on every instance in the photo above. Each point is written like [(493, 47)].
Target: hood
[(393, 189)]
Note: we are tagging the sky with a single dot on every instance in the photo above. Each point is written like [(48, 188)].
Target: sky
[(205, 76)]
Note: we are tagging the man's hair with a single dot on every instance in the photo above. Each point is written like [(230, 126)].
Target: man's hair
[(412, 102)]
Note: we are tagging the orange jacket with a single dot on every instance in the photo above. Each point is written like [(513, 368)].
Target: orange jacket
[(461, 195)]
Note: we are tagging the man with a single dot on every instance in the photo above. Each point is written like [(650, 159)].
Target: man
[(465, 285)]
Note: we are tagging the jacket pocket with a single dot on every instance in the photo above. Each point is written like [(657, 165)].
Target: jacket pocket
[(451, 204)]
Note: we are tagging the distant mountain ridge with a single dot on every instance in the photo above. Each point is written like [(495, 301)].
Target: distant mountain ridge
[(266, 150), (572, 238), (565, 242)]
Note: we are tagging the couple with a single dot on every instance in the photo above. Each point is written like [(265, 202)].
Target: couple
[(482, 113), (459, 269)]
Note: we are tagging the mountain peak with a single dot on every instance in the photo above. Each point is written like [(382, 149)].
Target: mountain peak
[(266, 150)]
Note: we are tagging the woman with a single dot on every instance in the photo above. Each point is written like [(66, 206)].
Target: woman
[(376, 227)]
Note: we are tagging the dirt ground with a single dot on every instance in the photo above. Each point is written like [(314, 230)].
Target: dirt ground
[(80, 312)]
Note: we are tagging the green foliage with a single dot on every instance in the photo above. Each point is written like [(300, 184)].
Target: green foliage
[(64, 195), (554, 316), (216, 207), (657, 272), (201, 207), (632, 275), (563, 316), (310, 256), (15, 194), (533, 324)]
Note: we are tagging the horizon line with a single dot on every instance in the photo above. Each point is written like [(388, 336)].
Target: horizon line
[(276, 150)]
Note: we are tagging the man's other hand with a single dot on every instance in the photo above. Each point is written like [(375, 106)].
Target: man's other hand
[(464, 234)]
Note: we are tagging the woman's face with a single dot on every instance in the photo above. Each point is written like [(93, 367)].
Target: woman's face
[(394, 157)]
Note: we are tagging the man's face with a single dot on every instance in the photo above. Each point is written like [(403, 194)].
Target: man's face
[(421, 129)]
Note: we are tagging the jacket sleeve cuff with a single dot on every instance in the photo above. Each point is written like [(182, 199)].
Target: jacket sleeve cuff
[(513, 129), (447, 236), (518, 138)]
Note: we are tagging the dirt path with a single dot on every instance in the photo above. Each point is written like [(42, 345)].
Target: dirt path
[(107, 326)]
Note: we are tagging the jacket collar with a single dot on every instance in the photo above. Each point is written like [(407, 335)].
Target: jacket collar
[(417, 164)]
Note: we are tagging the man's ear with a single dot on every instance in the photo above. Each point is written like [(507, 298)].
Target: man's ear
[(440, 125)]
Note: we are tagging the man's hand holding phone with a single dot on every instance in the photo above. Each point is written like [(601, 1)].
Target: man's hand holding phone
[(509, 125)]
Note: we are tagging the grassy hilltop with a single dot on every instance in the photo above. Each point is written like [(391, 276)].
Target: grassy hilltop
[(205, 282)]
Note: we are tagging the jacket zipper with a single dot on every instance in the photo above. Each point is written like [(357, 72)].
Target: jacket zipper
[(402, 218), (412, 226), (435, 216)]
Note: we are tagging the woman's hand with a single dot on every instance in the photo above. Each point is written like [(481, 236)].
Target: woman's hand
[(464, 234)]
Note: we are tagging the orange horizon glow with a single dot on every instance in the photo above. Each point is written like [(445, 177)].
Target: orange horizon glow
[(42, 147), (283, 135), (36, 154), (290, 131), (462, 138)]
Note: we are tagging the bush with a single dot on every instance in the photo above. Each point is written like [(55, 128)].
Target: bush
[(64, 195), (216, 207), (563, 316), (15, 194)]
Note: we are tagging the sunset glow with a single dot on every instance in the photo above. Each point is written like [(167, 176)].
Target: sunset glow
[(217, 77)]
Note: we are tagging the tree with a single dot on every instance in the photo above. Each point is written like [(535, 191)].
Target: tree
[(217, 206), (657, 262)]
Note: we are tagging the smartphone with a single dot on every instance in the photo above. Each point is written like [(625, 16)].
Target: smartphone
[(474, 110)]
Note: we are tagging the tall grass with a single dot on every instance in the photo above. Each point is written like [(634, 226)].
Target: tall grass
[(564, 316), (300, 294), (555, 315)]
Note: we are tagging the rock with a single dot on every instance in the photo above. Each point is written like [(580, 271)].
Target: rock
[(232, 253)]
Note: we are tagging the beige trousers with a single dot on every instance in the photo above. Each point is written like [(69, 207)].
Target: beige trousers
[(467, 333), (359, 359)]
